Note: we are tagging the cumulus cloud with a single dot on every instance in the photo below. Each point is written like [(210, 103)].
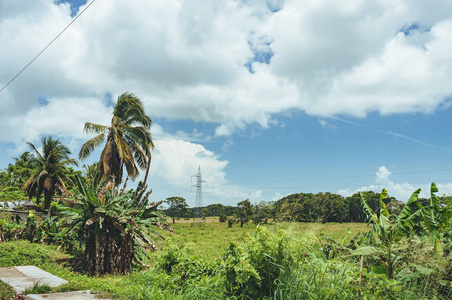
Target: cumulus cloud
[(176, 161), (192, 59), (229, 63), (401, 191)]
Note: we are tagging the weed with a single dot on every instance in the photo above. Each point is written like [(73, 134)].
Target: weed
[(38, 288)]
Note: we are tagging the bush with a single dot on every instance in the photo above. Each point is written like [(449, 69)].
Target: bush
[(252, 268), (10, 230), (183, 266), (222, 218), (22, 253)]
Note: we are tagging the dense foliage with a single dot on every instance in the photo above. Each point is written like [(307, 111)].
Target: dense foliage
[(50, 168), (114, 225), (405, 255)]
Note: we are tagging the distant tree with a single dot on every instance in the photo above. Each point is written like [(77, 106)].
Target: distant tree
[(17, 173), (12, 193), (395, 207), (90, 171), (222, 218), (261, 212), (204, 213), (290, 211), (330, 207), (244, 211), (355, 209), (177, 207), (21, 170), (50, 170)]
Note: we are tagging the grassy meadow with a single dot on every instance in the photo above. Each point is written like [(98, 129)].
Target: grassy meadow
[(206, 240), (209, 238), (208, 260)]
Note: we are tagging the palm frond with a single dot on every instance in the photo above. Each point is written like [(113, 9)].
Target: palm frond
[(36, 152), (95, 128), (90, 145), (71, 161)]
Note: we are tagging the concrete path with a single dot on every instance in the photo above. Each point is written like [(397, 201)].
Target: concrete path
[(80, 295), (22, 278)]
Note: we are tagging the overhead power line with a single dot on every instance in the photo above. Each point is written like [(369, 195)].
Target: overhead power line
[(48, 45), (354, 186), (340, 177)]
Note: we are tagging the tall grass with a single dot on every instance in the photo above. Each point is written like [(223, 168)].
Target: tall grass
[(280, 261)]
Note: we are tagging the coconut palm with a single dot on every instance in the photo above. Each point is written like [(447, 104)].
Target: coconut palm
[(50, 170), (128, 139)]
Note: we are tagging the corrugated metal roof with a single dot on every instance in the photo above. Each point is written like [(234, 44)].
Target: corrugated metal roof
[(14, 204)]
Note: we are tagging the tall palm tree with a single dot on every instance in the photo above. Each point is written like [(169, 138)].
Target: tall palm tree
[(128, 139), (51, 169)]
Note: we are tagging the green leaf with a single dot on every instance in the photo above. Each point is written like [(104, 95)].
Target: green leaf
[(410, 207), (445, 283), (366, 250), (383, 210), (369, 212)]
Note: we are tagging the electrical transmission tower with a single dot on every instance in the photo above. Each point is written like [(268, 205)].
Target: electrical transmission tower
[(198, 202)]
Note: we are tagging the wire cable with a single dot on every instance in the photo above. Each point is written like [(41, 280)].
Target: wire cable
[(48, 45), (340, 177)]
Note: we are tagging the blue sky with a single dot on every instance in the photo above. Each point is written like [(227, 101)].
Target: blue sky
[(268, 97)]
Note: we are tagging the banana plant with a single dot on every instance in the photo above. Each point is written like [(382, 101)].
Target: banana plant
[(113, 225), (387, 233), (431, 220)]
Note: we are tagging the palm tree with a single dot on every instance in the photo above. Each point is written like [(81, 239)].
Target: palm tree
[(129, 141), (51, 169)]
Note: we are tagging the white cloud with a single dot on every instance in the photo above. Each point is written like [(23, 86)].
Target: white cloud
[(186, 59), (401, 191), (176, 162), (62, 118)]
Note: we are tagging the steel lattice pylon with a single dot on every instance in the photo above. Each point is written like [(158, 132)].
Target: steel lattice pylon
[(198, 203)]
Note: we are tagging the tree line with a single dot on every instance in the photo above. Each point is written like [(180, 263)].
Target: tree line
[(299, 207)]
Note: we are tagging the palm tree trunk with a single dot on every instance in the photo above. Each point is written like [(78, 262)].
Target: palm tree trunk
[(147, 168)]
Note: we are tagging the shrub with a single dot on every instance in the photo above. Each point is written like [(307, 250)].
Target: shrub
[(10, 230), (252, 268), (222, 218), (21, 253), (183, 266)]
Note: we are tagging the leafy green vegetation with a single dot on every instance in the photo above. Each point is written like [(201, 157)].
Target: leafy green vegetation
[(128, 140), (50, 169), (38, 288), (6, 292), (276, 261), (100, 236)]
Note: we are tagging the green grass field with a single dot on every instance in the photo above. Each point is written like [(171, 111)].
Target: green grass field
[(208, 241), (211, 238)]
